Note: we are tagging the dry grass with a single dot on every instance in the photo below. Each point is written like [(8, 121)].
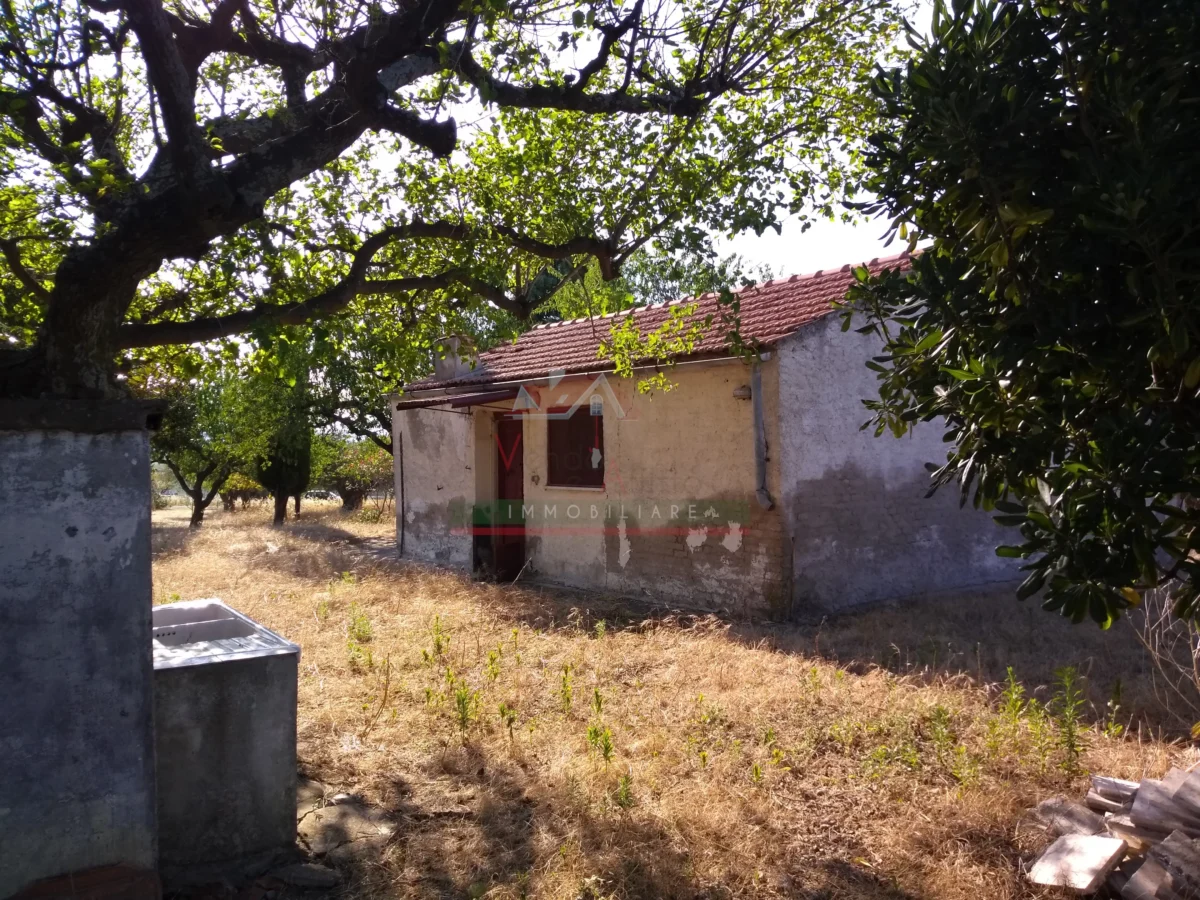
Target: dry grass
[(759, 762)]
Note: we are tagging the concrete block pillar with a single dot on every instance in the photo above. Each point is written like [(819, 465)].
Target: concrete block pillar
[(76, 680)]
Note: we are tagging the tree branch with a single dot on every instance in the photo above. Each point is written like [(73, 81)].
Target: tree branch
[(175, 89), (218, 483), (612, 34), (187, 489), (12, 255), (356, 283), (355, 428), (439, 138), (677, 101)]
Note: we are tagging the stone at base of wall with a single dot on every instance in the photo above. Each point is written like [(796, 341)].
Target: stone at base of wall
[(104, 883)]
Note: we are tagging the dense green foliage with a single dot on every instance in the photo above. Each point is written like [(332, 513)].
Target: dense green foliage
[(352, 468), (649, 277), (173, 174), (285, 467), (211, 429), (1048, 157)]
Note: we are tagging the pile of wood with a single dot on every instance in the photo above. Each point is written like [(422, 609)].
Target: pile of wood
[(1137, 841)]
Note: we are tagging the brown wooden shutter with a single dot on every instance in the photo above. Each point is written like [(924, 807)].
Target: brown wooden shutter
[(569, 446)]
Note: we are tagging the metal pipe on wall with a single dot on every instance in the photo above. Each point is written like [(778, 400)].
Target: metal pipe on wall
[(760, 438)]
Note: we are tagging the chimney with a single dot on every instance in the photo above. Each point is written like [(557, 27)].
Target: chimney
[(455, 357)]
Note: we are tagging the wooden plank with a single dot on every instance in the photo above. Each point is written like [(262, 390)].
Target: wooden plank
[(1139, 839), (1063, 816), (1150, 882), (1101, 804), (1187, 794), (1080, 862), (1114, 788), (1153, 808)]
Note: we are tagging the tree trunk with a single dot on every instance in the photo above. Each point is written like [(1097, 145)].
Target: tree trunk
[(281, 501), (198, 506), (352, 500), (297, 504), (76, 355)]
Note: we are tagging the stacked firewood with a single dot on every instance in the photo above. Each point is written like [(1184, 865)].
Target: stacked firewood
[(1138, 841)]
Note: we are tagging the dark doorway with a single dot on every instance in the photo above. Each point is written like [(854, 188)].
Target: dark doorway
[(508, 523)]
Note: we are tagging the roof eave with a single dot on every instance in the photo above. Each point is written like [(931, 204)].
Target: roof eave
[(449, 389)]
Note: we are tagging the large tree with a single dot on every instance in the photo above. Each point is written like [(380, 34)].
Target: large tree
[(285, 468), (352, 468), (1048, 157), (173, 174)]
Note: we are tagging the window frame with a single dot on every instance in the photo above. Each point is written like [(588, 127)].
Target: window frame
[(556, 417)]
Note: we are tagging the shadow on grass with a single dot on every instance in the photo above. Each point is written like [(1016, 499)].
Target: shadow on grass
[(514, 833), (977, 638), (170, 537)]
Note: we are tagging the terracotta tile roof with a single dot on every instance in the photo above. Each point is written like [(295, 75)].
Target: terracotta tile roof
[(769, 312)]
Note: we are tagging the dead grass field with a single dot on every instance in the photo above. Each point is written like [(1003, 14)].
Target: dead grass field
[(872, 757)]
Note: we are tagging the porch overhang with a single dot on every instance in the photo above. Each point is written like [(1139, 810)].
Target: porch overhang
[(458, 401)]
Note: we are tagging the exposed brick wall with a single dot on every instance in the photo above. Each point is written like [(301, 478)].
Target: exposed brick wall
[(742, 569)]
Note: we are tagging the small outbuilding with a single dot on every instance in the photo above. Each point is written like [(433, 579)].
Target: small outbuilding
[(749, 486)]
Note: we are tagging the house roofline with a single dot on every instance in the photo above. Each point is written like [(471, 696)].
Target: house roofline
[(774, 282), (451, 391)]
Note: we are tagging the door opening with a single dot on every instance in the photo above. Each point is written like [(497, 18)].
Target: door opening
[(508, 522)]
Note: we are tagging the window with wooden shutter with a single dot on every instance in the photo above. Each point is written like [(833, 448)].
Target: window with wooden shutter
[(575, 447)]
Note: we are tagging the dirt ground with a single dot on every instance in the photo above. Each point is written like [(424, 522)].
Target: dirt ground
[(531, 743)]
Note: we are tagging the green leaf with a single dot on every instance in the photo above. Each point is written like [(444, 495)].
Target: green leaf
[(1191, 378)]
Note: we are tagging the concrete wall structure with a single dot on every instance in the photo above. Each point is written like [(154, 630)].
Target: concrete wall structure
[(76, 703), (861, 526), (226, 749), (435, 476)]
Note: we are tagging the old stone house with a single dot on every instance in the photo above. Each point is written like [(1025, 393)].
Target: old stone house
[(748, 486)]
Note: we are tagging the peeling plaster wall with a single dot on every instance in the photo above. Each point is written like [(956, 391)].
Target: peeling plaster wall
[(856, 509), (439, 484), (76, 701), (690, 448)]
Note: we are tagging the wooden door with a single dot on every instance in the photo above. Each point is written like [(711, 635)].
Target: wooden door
[(508, 532)]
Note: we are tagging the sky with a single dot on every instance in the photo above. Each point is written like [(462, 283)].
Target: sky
[(826, 245)]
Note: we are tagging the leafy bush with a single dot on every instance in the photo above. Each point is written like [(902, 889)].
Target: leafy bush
[(1048, 155)]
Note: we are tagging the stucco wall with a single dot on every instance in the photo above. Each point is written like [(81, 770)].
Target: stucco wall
[(76, 702), (669, 459), (862, 528), (437, 468)]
